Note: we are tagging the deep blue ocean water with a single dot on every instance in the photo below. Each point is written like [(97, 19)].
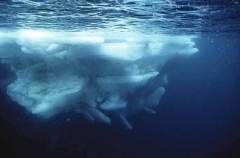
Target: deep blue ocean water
[(198, 116)]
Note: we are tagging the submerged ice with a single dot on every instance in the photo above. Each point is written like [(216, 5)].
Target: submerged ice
[(97, 76)]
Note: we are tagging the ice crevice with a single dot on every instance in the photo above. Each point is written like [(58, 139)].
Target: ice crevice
[(96, 76)]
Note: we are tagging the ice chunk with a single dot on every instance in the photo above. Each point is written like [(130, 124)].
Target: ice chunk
[(91, 95), (124, 85), (155, 48), (6, 38), (113, 105), (149, 110), (56, 48), (34, 38), (123, 51), (85, 114), (44, 98), (125, 121), (99, 115), (155, 97), (164, 80)]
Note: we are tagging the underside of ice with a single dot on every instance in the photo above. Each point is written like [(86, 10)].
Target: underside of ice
[(97, 76)]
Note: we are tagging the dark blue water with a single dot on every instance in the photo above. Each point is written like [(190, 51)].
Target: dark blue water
[(199, 115)]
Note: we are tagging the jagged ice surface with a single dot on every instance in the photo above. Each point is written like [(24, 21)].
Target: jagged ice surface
[(95, 75)]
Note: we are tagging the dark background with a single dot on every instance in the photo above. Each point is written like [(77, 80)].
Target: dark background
[(199, 116)]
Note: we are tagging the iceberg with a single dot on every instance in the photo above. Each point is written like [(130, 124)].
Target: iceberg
[(95, 75)]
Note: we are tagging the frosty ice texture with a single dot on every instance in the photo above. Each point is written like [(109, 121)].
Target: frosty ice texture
[(95, 75)]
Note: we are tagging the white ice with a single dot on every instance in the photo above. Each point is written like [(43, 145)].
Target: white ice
[(95, 75)]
